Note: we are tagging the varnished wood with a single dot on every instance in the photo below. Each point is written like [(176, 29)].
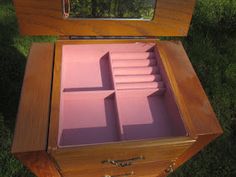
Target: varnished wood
[(31, 129), (139, 170), (78, 160), (199, 117), (39, 163), (201, 142), (55, 101), (178, 69), (172, 18), (197, 112)]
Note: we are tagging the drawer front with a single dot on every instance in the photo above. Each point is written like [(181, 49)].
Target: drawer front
[(119, 156), (138, 170)]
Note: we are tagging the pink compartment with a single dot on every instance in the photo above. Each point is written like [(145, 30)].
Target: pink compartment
[(115, 92), (88, 118), (145, 114), (86, 71), (86, 67)]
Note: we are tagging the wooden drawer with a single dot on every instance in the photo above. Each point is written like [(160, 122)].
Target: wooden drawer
[(138, 170), (86, 159)]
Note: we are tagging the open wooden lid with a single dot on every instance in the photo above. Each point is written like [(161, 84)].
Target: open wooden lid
[(45, 17)]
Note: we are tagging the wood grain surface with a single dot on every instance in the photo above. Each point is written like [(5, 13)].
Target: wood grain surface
[(30, 140), (197, 112), (31, 130), (40, 163), (140, 170), (78, 160), (172, 18)]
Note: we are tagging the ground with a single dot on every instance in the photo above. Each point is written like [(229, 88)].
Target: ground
[(211, 46)]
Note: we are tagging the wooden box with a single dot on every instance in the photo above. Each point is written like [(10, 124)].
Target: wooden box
[(109, 99)]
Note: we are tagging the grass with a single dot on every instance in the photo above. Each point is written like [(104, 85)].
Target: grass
[(211, 46)]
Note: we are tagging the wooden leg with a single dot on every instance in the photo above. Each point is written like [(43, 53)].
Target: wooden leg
[(39, 163)]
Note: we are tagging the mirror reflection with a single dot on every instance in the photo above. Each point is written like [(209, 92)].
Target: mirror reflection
[(128, 9)]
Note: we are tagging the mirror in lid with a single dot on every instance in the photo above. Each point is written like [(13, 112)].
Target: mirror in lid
[(109, 9)]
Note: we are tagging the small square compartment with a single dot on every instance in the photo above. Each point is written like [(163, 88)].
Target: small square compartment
[(85, 69), (88, 118), (147, 114)]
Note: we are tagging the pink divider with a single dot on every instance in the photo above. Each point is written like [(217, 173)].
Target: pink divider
[(114, 92), (177, 124), (129, 62), (112, 70)]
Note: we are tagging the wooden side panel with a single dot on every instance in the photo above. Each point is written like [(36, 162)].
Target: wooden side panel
[(172, 18), (197, 112), (31, 129), (55, 102), (39, 163), (198, 115)]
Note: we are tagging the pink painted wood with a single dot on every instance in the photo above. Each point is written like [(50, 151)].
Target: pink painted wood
[(115, 92)]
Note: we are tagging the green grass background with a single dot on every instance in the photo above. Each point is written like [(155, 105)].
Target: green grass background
[(211, 46)]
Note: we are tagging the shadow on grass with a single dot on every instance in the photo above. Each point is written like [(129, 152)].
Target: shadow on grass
[(211, 46), (12, 65), (13, 52)]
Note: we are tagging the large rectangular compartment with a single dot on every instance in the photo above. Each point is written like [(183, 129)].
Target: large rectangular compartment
[(115, 92)]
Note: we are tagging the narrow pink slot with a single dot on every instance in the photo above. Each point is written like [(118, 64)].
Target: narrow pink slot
[(139, 85), (115, 92), (134, 63), (138, 78), (135, 70), (132, 55)]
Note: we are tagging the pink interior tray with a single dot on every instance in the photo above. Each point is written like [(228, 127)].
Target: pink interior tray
[(115, 92)]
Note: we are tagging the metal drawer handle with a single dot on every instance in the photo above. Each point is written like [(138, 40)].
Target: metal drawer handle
[(123, 163), (66, 8), (123, 175), (170, 169)]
